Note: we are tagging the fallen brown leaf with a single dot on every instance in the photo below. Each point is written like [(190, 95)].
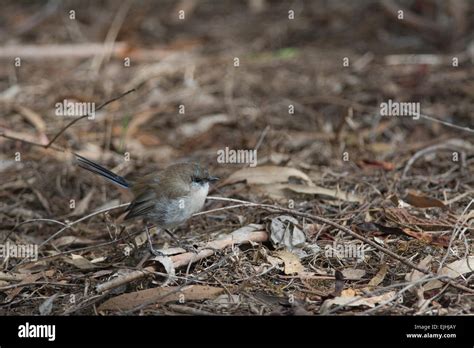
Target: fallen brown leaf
[(373, 164), (266, 175), (79, 262), (348, 299), (380, 276), (426, 237), (415, 275), (160, 295), (283, 191), (83, 204), (353, 273), (422, 201), (452, 270), (73, 241), (325, 192), (285, 232), (292, 262)]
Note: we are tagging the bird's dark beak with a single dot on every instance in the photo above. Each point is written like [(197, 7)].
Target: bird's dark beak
[(212, 178)]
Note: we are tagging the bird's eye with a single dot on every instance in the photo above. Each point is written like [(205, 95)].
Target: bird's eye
[(196, 179)]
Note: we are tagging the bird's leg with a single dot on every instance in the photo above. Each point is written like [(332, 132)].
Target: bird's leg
[(152, 250), (171, 234), (186, 246)]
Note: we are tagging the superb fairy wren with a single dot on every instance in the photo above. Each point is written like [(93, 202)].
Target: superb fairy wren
[(167, 198)]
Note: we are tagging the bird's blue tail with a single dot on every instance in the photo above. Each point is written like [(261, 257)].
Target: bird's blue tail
[(98, 169)]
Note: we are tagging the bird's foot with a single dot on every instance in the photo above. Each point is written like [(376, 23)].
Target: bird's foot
[(156, 252), (189, 247)]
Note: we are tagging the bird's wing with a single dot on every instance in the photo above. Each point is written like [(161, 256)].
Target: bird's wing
[(153, 192), (142, 204)]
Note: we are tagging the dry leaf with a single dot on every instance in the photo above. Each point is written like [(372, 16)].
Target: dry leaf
[(160, 295), (79, 262), (369, 164), (422, 201), (275, 262), (452, 270), (275, 182), (325, 192), (283, 191), (379, 277), (266, 175), (203, 124), (47, 306), (426, 237), (380, 148), (32, 116), (73, 241), (347, 299), (83, 204), (284, 232), (33, 267), (292, 262), (415, 275), (12, 276), (353, 274), (348, 293)]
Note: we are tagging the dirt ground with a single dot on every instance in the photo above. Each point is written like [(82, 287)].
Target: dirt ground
[(305, 84)]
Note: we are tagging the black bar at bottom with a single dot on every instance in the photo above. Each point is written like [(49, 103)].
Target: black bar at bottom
[(374, 330)]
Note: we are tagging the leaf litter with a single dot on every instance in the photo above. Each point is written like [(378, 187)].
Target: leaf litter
[(406, 185)]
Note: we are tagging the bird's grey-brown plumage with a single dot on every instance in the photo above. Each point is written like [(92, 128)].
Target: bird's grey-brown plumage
[(167, 198)]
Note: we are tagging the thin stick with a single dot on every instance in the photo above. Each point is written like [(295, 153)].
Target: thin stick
[(20, 285), (87, 115), (82, 219), (451, 144), (29, 222), (466, 129), (30, 142), (111, 36), (262, 137), (75, 251), (223, 208), (49, 145)]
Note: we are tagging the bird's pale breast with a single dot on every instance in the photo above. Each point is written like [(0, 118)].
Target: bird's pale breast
[(173, 212)]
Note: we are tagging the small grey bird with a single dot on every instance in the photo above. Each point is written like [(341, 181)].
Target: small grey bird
[(167, 198)]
